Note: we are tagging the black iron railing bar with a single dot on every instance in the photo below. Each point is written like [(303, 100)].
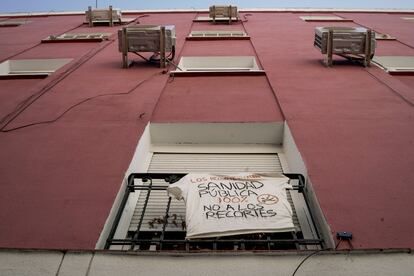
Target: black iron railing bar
[(119, 213), (144, 208), (164, 225), (283, 241)]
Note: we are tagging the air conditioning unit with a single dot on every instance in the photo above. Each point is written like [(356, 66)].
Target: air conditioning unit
[(349, 42), (146, 38), (222, 12), (109, 15)]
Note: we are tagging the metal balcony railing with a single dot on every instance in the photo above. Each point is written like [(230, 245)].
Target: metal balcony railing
[(158, 240)]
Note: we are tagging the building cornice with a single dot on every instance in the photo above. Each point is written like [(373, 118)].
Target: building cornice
[(295, 10)]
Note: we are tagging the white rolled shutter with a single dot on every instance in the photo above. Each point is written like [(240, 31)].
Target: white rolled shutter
[(195, 162)]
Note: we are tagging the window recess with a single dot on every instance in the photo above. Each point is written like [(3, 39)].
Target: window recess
[(324, 18), (218, 65), (13, 23), (383, 36), (30, 68), (396, 65), (158, 222), (217, 35), (77, 37)]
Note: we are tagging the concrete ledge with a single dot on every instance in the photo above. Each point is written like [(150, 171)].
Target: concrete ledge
[(343, 262), (316, 10)]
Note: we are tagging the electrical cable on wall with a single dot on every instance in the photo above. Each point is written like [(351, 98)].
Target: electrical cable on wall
[(341, 236), (391, 88), (266, 75), (81, 102), (307, 257), (171, 61), (245, 17), (37, 44), (136, 20), (396, 39), (6, 120), (23, 105)]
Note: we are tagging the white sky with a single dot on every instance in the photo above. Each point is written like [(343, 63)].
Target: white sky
[(81, 5)]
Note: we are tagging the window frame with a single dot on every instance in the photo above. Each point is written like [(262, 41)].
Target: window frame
[(24, 68), (385, 62), (13, 23), (217, 65), (324, 18), (222, 138), (77, 37), (218, 35)]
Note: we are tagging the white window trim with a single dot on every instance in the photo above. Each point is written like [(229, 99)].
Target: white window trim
[(191, 65), (383, 36), (27, 68), (77, 37), (395, 64), (13, 23), (218, 35), (218, 19), (324, 18), (146, 148)]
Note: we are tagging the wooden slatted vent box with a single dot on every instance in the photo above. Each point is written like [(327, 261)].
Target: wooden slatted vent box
[(100, 16), (77, 37), (348, 42)]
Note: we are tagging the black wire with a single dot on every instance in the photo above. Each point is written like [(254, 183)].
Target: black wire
[(317, 252), (37, 44), (366, 27), (245, 17), (79, 103), (23, 105), (378, 79), (266, 75), (307, 257), (337, 245), (171, 62), (392, 89), (136, 20)]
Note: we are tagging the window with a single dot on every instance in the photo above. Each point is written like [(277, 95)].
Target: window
[(396, 64), (158, 223), (13, 23), (77, 37), (147, 219), (324, 18), (218, 65), (383, 36), (217, 20), (30, 68), (217, 35)]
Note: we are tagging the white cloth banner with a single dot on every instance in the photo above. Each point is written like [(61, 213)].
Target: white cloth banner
[(223, 205)]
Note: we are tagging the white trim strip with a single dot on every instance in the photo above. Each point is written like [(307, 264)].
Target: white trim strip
[(28, 14)]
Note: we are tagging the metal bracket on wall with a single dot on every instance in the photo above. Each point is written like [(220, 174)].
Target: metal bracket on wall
[(162, 47)]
